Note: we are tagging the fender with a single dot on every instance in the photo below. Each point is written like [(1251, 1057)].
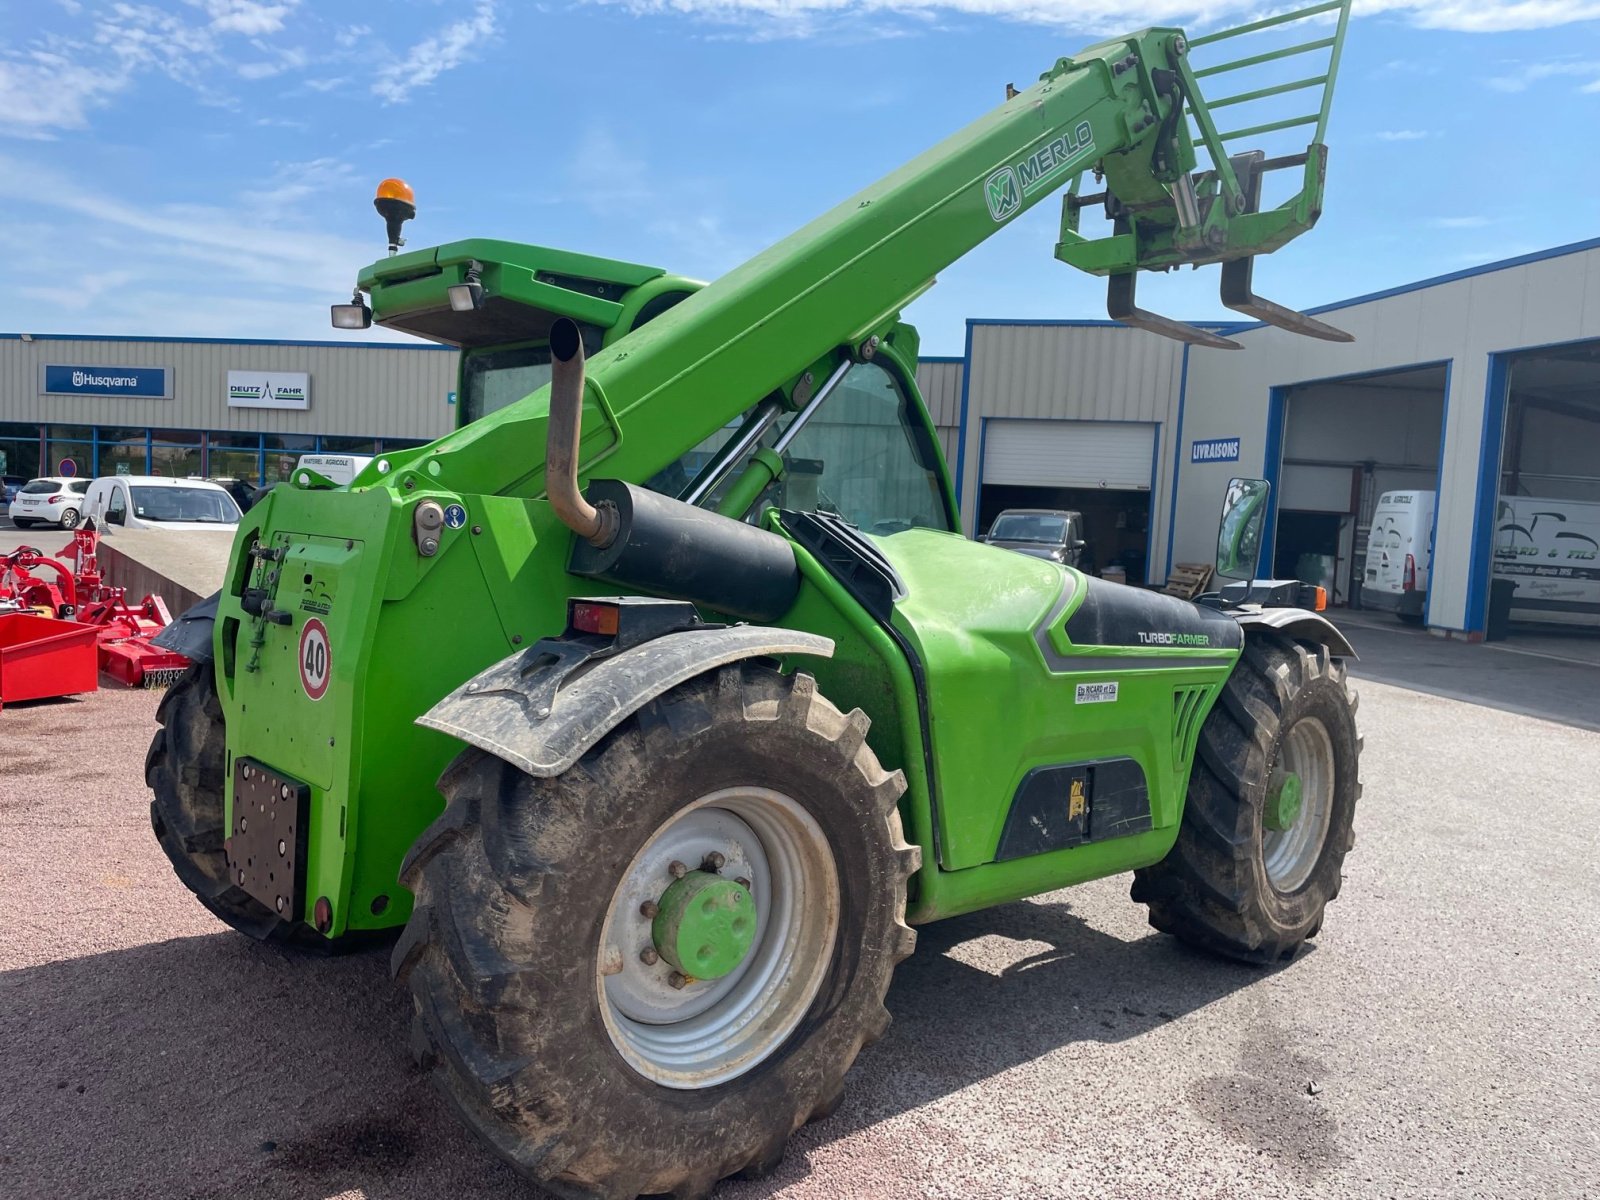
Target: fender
[(190, 634), (519, 709), (1300, 625)]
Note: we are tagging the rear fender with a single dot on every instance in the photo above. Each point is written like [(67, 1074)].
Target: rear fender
[(1298, 625), (190, 634), (522, 711)]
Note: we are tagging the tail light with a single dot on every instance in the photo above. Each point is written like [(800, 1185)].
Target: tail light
[(1410, 578), (53, 500)]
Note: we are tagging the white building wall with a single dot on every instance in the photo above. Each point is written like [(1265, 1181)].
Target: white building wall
[(356, 390), (1462, 321)]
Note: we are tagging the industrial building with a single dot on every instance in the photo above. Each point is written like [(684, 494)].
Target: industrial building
[(1482, 386)]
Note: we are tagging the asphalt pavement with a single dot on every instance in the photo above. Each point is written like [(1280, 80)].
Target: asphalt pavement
[(1438, 1040)]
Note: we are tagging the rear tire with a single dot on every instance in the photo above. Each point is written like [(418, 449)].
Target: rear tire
[(20, 523), (1231, 884), (513, 952), (69, 519), (185, 769)]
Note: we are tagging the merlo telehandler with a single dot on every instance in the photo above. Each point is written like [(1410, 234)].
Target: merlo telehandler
[(662, 698)]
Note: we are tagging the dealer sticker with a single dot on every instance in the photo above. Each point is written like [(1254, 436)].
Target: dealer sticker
[(1097, 693), (316, 659)]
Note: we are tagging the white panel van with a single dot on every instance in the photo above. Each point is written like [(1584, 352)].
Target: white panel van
[(1400, 554)]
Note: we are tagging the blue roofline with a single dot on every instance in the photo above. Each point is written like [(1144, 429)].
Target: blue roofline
[(1099, 323), (941, 358), (1504, 264), (203, 341)]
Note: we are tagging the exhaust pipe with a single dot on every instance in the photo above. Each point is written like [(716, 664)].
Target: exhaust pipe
[(597, 526)]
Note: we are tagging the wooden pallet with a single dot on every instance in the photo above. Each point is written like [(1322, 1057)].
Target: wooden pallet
[(1188, 580)]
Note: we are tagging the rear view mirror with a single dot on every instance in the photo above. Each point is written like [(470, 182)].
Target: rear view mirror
[(1244, 520)]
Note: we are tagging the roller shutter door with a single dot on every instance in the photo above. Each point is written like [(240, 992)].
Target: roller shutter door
[(1073, 454)]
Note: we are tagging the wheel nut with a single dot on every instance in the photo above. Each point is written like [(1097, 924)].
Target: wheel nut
[(676, 869), (648, 956), (649, 909), (677, 979), (714, 861)]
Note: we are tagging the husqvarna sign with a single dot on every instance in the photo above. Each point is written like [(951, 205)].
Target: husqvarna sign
[(269, 389), (149, 383)]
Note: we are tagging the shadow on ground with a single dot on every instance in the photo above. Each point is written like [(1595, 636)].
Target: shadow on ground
[(215, 1067)]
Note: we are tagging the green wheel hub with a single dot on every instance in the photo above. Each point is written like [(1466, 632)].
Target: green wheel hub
[(1284, 804), (705, 925)]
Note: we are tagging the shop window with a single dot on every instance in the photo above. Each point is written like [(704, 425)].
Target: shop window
[(123, 455), (81, 455), (349, 445), (20, 457), (227, 463), (283, 451), (404, 443)]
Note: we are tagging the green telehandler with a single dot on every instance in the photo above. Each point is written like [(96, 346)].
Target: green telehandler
[(661, 699)]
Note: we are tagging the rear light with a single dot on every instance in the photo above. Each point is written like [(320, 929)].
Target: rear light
[(1410, 578), (1320, 599), (591, 617), (53, 500)]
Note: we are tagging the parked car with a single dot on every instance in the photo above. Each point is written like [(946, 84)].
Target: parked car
[(49, 500), (1048, 533), (156, 502), (10, 485)]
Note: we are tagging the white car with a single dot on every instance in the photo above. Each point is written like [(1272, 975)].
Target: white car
[(155, 502), (49, 500)]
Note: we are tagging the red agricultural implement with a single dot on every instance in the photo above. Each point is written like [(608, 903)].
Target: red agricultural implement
[(43, 601)]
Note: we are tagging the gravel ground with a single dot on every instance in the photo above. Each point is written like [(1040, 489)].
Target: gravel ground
[(1441, 1039)]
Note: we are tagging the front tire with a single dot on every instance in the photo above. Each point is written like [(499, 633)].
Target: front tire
[(1270, 810), (584, 1057)]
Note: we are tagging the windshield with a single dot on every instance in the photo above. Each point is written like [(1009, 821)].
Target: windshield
[(1029, 527), (492, 381), (184, 504)]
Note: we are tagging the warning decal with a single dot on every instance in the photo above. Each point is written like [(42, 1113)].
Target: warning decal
[(316, 659)]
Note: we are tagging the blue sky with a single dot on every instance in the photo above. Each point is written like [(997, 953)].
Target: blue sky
[(205, 167)]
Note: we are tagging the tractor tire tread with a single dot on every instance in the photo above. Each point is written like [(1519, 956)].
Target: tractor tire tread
[(489, 877)]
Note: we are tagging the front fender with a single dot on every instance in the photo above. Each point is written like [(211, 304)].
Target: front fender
[(1301, 625), (502, 710)]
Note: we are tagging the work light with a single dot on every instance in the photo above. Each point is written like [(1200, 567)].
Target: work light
[(355, 315), (468, 295)]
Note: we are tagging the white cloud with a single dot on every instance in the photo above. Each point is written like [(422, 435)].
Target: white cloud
[(804, 17), (248, 17), (1527, 74), (434, 55), (1402, 135)]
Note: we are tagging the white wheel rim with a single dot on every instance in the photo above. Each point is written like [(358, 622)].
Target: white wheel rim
[(1291, 855), (710, 1031)]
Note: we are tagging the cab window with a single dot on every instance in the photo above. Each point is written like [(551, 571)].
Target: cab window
[(866, 455)]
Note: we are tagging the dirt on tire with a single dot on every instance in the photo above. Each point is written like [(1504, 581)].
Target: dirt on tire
[(513, 883)]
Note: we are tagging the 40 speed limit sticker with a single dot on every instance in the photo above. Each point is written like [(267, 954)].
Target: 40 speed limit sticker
[(316, 659)]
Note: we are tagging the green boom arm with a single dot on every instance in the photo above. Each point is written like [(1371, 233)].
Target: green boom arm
[(1118, 108)]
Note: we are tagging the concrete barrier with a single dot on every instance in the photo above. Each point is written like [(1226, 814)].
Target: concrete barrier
[(181, 568)]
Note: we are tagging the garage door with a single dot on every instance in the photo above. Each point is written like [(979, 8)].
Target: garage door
[(1082, 454)]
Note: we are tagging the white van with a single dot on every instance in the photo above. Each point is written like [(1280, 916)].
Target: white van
[(1400, 554), (1551, 550), (336, 468), (157, 502)]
